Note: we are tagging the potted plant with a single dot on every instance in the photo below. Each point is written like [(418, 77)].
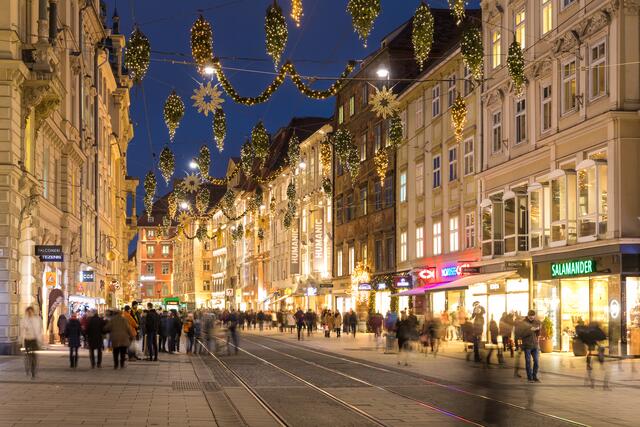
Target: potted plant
[(546, 338)]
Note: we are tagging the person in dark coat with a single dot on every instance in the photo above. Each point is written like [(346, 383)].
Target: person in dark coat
[(165, 333), (62, 324), (121, 335), (152, 327), (346, 322), (95, 335), (477, 318), (299, 316), (175, 329), (403, 335), (530, 332), (353, 322), (309, 320), (73, 333), (506, 330)]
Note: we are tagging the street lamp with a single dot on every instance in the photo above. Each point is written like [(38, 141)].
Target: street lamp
[(184, 206), (209, 70), (383, 73), (302, 165), (193, 164)]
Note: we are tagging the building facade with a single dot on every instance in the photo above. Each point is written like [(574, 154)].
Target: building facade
[(64, 132)]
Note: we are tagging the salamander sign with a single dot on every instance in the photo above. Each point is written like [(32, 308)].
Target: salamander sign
[(573, 268)]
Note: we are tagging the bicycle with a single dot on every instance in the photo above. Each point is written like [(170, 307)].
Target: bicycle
[(30, 358)]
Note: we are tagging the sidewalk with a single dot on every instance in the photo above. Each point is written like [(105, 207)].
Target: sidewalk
[(177, 390)]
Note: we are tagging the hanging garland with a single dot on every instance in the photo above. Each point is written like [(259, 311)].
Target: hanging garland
[(173, 113), (275, 28), (201, 43), (237, 233), (515, 67), (384, 103), (202, 200), (207, 99), (287, 220), (150, 185), (260, 142), (137, 55), (228, 200), (164, 228), (172, 204), (320, 94), (363, 14), (395, 131), (347, 151), (381, 162), (219, 128), (472, 53), (458, 117), (260, 234), (291, 191), (422, 34), (247, 157), (353, 162), (293, 152), (327, 186), (325, 157), (167, 164), (272, 203), (204, 161), (201, 233), (457, 10), (296, 11)]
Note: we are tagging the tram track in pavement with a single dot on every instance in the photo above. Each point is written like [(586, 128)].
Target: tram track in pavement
[(322, 390), (450, 388)]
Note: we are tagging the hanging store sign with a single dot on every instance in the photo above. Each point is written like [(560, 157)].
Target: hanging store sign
[(318, 240), (51, 258), (573, 268), (614, 308), (402, 281), (88, 276), (453, 271), (381, 286), (228, 292), (295, 247), (51, 279), (427, 274), (311, 292), (364, 287), (42, 250)]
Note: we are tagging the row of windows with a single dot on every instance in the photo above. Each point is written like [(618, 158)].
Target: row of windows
[(384, 256), (150, 268), (151, 250), (349, 208)]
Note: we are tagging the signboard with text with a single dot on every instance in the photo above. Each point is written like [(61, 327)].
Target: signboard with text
[(402, 281), (573, 268), (318, 240), (295, 247), (88, 276)]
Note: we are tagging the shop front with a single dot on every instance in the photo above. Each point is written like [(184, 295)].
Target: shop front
[(599, 285)]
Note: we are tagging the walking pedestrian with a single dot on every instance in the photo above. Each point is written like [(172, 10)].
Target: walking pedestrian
[(95, 337), (189, 331), (493, 335), (121, 335), (31, 337), (130, 317), (403, 335), (478, 328), (337, 323), (353, 322), (62, 324), (308, 321), (506, 330), (232, 326), (152, 327), (165, 332), (530, 333), (299, 317), (73, 333)]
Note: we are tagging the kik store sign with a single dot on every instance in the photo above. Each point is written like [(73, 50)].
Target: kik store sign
[(573, 268)]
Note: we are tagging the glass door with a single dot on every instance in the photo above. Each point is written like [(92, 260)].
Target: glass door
[(574, 298)]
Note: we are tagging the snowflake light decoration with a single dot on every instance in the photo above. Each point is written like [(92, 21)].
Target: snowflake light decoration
[(183, 218), (384, 103), (191, 183), (207, 99)]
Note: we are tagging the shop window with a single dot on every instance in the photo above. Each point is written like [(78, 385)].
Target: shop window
[(437, 238), (563, 207), (539, 196), (633, 315), (592, 199), (496, 49), (597, 70), (491, 223), (515, 222), (403, 246), (419, 241)]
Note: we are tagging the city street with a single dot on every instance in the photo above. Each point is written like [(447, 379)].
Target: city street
[(277, 380)]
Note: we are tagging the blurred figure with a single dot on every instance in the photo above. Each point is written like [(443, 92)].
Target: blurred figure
[(353, 322), (376, 325), (62, 324), (308, 321), (128, 315), (530, 333), (73, 333), (403, 335), (165, 332), (189, 330), (493, 336), (95, 338), (174, 327), (506, 329), (477, 318), (31, 337), (121, 335), (232, 325), (336, 322), (299, 316), (152, 326)]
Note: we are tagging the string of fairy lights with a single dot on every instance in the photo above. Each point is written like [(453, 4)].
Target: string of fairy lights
[(254, 152)]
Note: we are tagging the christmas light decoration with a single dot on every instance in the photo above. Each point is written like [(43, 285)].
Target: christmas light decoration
[(327, 186), (287, 220), (320, 94), (173, 113), (228, 200), (458, 117), (150, 185), (347, 151), (272, 203), (472, 53), (191, 183), (219, 128), (291, 190), (207, 99), (247, 157), (260, 234), (260, 142), (381, 162), (384, 103), (137, 55), (353, 162), (296, 11), (363, 14), (515, 67), (201, 43), (275, 27), (167, 164), (201, 233), (172, 204), (204, 161), (395, 131), (325, 157), (293, 152), (457, 10), (422, 34), (183, 219), (202, 200)]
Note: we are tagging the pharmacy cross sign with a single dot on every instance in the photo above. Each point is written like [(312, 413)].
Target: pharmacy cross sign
[(573, 268)]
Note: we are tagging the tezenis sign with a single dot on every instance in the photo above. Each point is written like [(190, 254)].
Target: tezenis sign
[(573, 268)]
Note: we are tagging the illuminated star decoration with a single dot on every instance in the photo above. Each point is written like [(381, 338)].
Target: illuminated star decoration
[(183, 218), (384, 103), (191, 183), (207, 99)]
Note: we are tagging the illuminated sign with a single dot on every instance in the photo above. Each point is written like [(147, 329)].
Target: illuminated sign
[(402, 281), (311, 292), (614, 308), (453, 271), (147, 278), (382, 286), (573, 268), (51, 278), (88, 276), (428, 273), (364, 287)]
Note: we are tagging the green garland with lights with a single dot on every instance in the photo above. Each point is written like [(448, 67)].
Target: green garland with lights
[(347, 151), (327, 186), (219, 128), (515, 67), (260, 142), (173, 113), (458, 10), (247, 157), (202, 200), (422, 34), (293, 151), (137, 55), (395, 131), (458, 117), (363, 15), (472, 52), (167, 164), (320, 94), (172, 204), (276, 33), (150, 185), (381, 163), (296, 11), (204, 161), (201, 43), (325, 157)]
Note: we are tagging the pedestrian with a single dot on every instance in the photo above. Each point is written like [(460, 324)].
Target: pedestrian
[(136, 315), (174, 326), (299, 317), (130, 317), (337, 323), (506, 330), (493, 334), (308, 321), (165, 329), (454, 327), (152, 327), (346, 322), (530, 332), (31, 336), (353, 322), (73, 333), (478, 328), (260, 317), (95, 337), (291, 321), (232, 326), (403, 335), (376, 325), (189, 331), (62, 324), (121, 335)]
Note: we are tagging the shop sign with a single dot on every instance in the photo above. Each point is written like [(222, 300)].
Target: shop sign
[(318, 240), (228, 292), (52, 258), (326, 285), (147, 278), (428, 273), (573, 268), (364, 287), (453, 271), (402, 281), (43, 250), (88, 276), (51, 278), (470, 270), (295, 248), (496, 288), (381, 286), (614, 308), (311, 292)]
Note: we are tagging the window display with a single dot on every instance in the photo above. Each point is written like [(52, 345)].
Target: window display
[(574, 300), (633, 315), (546, 301)]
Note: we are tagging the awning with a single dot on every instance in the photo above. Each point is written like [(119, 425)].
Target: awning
[(461, 283)]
